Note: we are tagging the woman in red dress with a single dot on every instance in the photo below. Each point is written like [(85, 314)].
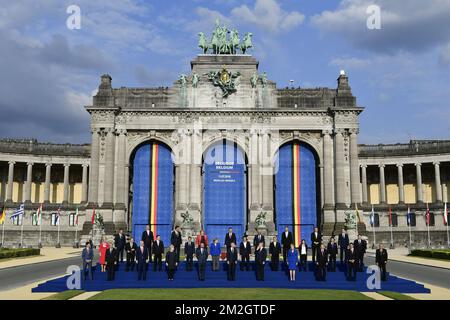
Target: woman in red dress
[(104, 246)]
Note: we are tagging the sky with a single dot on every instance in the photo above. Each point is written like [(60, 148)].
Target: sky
[(400, 73)]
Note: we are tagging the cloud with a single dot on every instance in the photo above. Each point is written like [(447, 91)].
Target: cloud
[(153, 77), (413, 25), (444, 56), (268, 15)]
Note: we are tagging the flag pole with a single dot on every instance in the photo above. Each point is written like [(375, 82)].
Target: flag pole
[(21, 230), (446, 219), (408, 218), (427, 220), (40, 227), (373, 228), (58, 245), (3, 231)]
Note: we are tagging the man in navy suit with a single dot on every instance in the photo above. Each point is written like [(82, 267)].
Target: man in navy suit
[(87, 256), (260, 261), (176, 241), (343, 243), (258, 239), (202, 257), (322, 262), (232, 257), (245, 249), (158, 251), (142, 258), (147, 237), (230, 237), (286, 240), (332, 253), (316, 240), (189, 250)]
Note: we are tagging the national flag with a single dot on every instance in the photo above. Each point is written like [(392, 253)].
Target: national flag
[(445, 214), (390, 216), (408, 217), (372, 218), (58, 215), (18, 212), (93, 216), (37, 217), (76, 217), (427, 216), (2, 215)]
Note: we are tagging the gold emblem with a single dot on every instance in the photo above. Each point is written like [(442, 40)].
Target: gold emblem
[(225, 75)]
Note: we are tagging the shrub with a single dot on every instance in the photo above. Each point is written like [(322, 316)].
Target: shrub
[(15, 253)]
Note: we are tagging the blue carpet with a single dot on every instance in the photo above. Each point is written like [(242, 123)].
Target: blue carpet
[(244, 279)]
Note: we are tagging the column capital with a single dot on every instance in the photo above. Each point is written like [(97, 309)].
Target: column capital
[(30, 163), (353, 131), (121, 132), (48, 164), (327, 132), (339, 131), (363, 166), (11, 162), (436, 163), (399, 165), (95, 130), (418, 164), (66, 165), (85, 165), (381, 165)]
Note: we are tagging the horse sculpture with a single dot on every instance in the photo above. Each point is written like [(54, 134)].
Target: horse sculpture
[(203, 43), (234, 41), (247, 42)]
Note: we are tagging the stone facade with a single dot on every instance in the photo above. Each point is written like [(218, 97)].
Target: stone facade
[(189, 118)]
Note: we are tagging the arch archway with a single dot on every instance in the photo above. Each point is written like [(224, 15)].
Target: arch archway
[(297, 189), (153, 175), (224, 189)]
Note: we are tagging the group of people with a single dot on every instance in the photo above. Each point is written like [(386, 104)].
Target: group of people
[(151, 250)]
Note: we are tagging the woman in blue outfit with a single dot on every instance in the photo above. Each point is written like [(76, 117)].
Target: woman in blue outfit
[(292, 260)]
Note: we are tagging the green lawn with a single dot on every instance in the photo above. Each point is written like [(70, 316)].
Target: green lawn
[(395, 295), (65, 295), (228, 294)]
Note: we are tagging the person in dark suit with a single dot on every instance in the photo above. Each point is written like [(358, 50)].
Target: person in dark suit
[(87, 256), (351, 258), (130, 249), (189, 250), (232, 257), (303, 252), (332, 250), (230, 237), (142, 259), (258, 239), (381, 258), (260, 261), (171, 262), (274, 251), (148, 238), (158, 251), (286, 240), (176, 241), (202, 257), (119, 242), (316, 240), (111, 262), (360, 246), (245, 249), (343, 242), (322, 262)]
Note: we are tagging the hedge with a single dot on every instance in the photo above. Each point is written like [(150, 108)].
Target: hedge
[(437, 254), (15, 253)]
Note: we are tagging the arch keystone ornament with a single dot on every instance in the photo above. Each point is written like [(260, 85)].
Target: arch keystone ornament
[(225, 80)]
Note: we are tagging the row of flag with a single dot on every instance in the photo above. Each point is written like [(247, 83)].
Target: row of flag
[(37, 217), (409, 216)]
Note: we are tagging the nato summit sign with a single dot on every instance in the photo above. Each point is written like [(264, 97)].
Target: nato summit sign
[(224, 189)]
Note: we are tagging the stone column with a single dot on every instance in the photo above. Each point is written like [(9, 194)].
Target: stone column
[(437, 179), (48, 172), (66, 183), (84, 183), (28, 182), (419, 187), (382, 185), (121, 195), (93, 168), (254, 185), (364, 183), (354, 168), (328, 195), (9, 190), (321, 185), (109, 168), (195, 171), (401, 187), (340, 169), (267, 171)]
